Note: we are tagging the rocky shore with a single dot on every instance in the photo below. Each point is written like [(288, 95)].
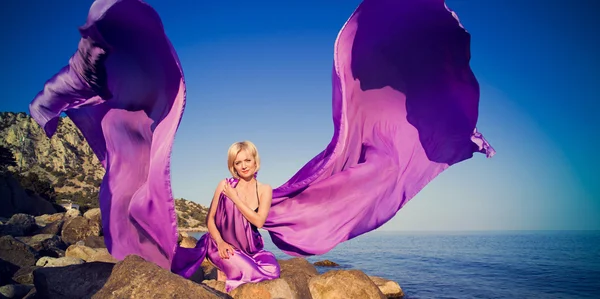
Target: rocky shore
[(63, 255)]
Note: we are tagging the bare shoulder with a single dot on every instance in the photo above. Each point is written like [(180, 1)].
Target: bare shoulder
[(264, 188), (221, 185)]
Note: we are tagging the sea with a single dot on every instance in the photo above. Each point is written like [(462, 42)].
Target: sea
[(482, 264)]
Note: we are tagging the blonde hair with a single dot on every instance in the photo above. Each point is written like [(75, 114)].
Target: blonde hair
[(235, 149)]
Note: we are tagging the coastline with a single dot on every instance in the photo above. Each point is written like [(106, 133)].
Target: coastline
[(193, 229)]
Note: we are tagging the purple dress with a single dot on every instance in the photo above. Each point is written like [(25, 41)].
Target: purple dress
[(249, 263), (405, 108)]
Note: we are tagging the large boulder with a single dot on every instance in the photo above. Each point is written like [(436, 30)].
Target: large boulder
[(291, 284), (75, 281), (342, 284), (136, 278)]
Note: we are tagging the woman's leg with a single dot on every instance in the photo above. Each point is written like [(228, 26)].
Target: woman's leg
[(243, 268)]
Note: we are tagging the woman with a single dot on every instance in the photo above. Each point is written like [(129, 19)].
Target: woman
[(239, 207)]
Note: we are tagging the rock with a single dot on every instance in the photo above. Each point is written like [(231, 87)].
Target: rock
[(6, 271), (20, 225), (47, 261), (188, 242), (90, 254), (72, 213), (47, 245), (94, 242), (17, 252), (389, 288), (326, 263), (79, 228), (45, 219), (24, 275), (15, 290), (297, 272), (14, 199), (75, 281), (53, 228), (341, 284), (276, 288), (94, 216), (136, 278)]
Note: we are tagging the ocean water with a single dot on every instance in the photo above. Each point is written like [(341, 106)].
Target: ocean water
[(523, 264)]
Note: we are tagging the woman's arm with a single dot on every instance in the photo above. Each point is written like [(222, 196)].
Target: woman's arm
[(210, 219), (264, 204)]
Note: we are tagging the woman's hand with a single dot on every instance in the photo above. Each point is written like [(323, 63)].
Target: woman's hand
[(225, 249), (230, 192)]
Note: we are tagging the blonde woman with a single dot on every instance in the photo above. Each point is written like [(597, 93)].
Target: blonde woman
[(239, 207)]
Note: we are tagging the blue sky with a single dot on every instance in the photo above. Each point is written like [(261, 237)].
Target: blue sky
[(270, 62)]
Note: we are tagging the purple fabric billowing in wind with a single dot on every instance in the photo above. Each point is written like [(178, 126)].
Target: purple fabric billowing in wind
[(405, 108), (249, 263), (124, 89)]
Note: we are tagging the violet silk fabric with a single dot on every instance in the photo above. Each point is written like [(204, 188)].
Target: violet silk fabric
[(249, 263), (405, 108)]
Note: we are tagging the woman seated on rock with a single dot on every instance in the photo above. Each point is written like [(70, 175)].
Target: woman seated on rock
[(239, 207)]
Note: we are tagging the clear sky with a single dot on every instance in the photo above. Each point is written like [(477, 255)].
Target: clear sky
[(260, 70)]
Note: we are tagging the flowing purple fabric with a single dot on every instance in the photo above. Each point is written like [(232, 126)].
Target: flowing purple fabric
[(249, 263), (124, 89), (405, 108)]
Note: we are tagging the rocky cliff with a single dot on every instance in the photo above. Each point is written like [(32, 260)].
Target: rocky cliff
[(65, 160), (64, 163)]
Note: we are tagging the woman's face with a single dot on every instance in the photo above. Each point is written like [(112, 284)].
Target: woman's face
[(244, 164)]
